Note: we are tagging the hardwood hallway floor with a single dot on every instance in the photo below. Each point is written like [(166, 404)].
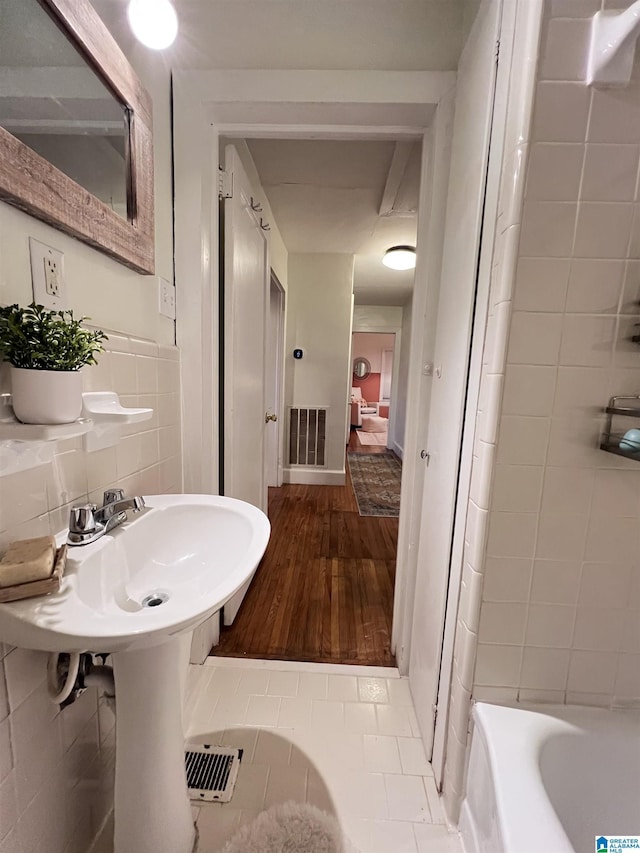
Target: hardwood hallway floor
[(324, 589)]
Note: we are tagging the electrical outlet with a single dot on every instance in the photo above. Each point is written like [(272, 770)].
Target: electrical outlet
[(47, 275), (166, 298)]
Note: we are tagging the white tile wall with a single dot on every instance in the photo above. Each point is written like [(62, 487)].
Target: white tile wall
[(554, 614), (61, 763)]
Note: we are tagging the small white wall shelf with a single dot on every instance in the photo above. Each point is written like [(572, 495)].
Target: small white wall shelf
[(108, 416), (24, 446)]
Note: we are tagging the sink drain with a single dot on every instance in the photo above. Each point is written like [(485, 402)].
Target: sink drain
[(155, 599)]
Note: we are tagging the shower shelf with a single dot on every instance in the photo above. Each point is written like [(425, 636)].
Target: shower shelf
[(612, 439)]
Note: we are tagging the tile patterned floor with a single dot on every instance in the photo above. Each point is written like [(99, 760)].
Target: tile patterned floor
[(343, 738)]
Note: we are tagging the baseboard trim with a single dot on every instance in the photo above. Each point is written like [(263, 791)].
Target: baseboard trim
[(314, 477), (398, 450)]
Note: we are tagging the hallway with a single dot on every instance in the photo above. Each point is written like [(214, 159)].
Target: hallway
[(324, 589)]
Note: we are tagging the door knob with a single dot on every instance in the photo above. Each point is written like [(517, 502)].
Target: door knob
[(268, 417)]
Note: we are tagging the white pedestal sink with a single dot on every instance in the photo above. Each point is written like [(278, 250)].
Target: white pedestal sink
[(186, 555)]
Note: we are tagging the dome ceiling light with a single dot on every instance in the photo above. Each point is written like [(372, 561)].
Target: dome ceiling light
[(400, 258), (154, 22)]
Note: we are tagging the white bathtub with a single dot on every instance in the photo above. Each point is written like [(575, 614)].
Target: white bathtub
[(550, 778)]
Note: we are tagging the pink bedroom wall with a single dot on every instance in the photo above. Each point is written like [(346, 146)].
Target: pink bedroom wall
[(370, 387)]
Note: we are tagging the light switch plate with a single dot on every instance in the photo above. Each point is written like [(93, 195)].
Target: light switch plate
[(166, 298), (47, 276)]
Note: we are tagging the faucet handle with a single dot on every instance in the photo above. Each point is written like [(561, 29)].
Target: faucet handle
[(82, 518), (112, 495)]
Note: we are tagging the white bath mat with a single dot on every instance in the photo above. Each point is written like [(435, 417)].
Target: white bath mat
[(291, 828), (379, 438)]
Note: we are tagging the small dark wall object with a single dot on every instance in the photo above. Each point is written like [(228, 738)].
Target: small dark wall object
[(298, 353)]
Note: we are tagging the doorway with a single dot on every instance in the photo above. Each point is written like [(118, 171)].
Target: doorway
[(324, 591)]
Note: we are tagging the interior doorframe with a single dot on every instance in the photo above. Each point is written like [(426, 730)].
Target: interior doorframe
[(390, 329), (211, 104), (280, 347)]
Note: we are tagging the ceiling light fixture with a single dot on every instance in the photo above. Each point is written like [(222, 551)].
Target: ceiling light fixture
[(154, 22), (400, 258)]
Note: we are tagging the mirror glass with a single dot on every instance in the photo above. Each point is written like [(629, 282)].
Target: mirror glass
[(53, 102), (361, 368)]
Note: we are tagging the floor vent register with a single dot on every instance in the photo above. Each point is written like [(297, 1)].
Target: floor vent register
[(212, 771)]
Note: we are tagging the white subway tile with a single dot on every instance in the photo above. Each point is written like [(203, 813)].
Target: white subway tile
[(565, 49), (595, 286), (534, 338), (627, 683), (360, 718), (631, 632), (407, 798), (523, 440), (567, 490), (498, 666), (550, 625), (123, 373), (616, 493), (607, 172), (587, 340), (548, 227), (502, 622), (556, 581), (283, 684), (580, 392), (393, 835), (394, 721), (529, 390), (412, 757), (631, 290), (545, 669), (561, 536), (343, 688), (574, 441), (598, 629), (592, 672), (541, 284), (615, 116), (554, 172), (511, 534), (561, 112), (603, 230), (371, 689), (381, 754), (262, 711), (612, 540), (507, 579), (517, 488), (605, 584), (25, 671)]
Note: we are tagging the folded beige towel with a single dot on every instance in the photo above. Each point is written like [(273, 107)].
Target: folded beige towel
[(28, 560)]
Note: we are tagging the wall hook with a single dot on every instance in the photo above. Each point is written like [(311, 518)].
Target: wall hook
[(264, 225), (255, 205), (613, 42)]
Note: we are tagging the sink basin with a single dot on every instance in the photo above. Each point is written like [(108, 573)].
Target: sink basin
[(157, 575), (132, 593)]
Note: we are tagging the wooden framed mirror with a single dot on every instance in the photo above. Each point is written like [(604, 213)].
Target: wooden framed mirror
[(76, 129)]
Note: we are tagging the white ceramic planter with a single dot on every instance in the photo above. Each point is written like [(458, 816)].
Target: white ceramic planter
[(46, 396)]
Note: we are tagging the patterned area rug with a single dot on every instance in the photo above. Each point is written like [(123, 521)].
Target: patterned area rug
[(376, 483)]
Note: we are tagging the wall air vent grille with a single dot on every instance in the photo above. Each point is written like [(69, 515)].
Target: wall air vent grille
[(307, 433)]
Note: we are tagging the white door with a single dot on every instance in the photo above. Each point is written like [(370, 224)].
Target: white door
[(273, 367), (385, 374), (469, 157), (246, 297)]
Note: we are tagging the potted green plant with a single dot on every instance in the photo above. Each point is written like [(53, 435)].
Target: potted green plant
[(46, 350)]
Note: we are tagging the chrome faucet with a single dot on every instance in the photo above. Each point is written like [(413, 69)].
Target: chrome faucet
[(87, 522)]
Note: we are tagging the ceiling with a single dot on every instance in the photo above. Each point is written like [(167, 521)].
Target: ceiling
[(402, 35), (353, 197)]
